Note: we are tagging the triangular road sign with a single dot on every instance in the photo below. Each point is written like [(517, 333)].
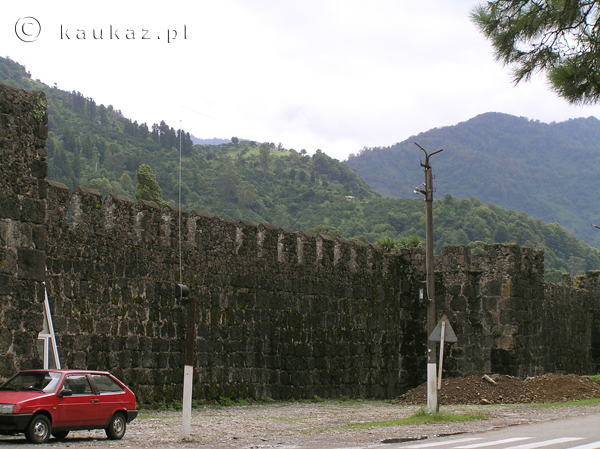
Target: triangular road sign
[(450, 336)]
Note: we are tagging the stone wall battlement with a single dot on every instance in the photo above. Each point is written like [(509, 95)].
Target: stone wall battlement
[(117, 218)]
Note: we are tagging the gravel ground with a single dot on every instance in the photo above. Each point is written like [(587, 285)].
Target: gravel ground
[(303, 425)]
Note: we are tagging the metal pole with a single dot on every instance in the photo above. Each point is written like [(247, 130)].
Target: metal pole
[(432, 391), (188, 370), (431, 346)]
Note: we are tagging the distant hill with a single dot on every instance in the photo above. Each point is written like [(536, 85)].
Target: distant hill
[(550, 171), (213, 141), (95, 146)]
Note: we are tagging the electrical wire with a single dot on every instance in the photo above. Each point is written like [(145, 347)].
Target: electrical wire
[(376, 176), (389, 180), (180, 157), (198, 112), (179, 225)]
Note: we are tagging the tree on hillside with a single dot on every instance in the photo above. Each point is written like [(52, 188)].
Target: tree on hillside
[(558, 37), (226, 185), (91, 109), (279, 167), (147, 188), (103, 114), (126, 182), (282, 218), (155, 132), (265, 151), (187, 145), (326, 230)]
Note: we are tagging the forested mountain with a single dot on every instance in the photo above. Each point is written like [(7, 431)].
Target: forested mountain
[(550, 171), (96, 146)]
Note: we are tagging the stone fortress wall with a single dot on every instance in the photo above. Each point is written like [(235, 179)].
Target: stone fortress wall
[(281, 314)]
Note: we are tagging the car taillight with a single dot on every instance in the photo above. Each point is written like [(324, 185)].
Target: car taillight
[(6, 408)]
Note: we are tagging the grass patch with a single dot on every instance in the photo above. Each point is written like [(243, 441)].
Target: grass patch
[(356, 403), (593, 401), (595, 377), (421, 417), (228, 402), (144, 413)]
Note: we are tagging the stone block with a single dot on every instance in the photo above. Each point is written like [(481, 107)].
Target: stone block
[(39, 169), (10, 208), (39, 237), (31, 264)]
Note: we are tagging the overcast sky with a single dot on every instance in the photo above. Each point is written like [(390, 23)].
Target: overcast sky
[(311, 74)]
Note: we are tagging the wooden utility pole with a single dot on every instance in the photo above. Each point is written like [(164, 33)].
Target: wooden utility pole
[(182, 293), (188, 369), (432, 392)]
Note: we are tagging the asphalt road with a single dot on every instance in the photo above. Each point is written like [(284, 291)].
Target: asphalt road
[(574, 433)]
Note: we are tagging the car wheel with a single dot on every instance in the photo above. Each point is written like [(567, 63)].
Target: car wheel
[(60, 435), (116, 427), (39, 429)]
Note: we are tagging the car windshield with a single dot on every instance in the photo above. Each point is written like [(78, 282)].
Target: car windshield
[(45, 381)]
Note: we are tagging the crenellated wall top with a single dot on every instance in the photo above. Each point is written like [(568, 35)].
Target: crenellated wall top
[(115, 217)]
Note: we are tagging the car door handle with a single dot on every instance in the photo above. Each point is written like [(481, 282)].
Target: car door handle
[(93, 400)]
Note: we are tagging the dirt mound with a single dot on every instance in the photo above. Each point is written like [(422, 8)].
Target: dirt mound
[(500, 389)]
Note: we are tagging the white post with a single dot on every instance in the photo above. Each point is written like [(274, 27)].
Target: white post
[(431, 389), (188, 369), (188, 376)]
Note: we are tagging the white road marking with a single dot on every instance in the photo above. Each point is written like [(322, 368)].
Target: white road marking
[(493, 443), (536, 445), (441, 443), (594, 445), (545, 443)]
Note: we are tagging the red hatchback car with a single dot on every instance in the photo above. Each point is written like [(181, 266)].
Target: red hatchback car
[(40, 403)]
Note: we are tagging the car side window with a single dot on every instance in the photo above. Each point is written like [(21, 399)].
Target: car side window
[(78, 384), (106, 384)]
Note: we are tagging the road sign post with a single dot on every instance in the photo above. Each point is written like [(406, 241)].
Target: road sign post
[(443, 332)]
